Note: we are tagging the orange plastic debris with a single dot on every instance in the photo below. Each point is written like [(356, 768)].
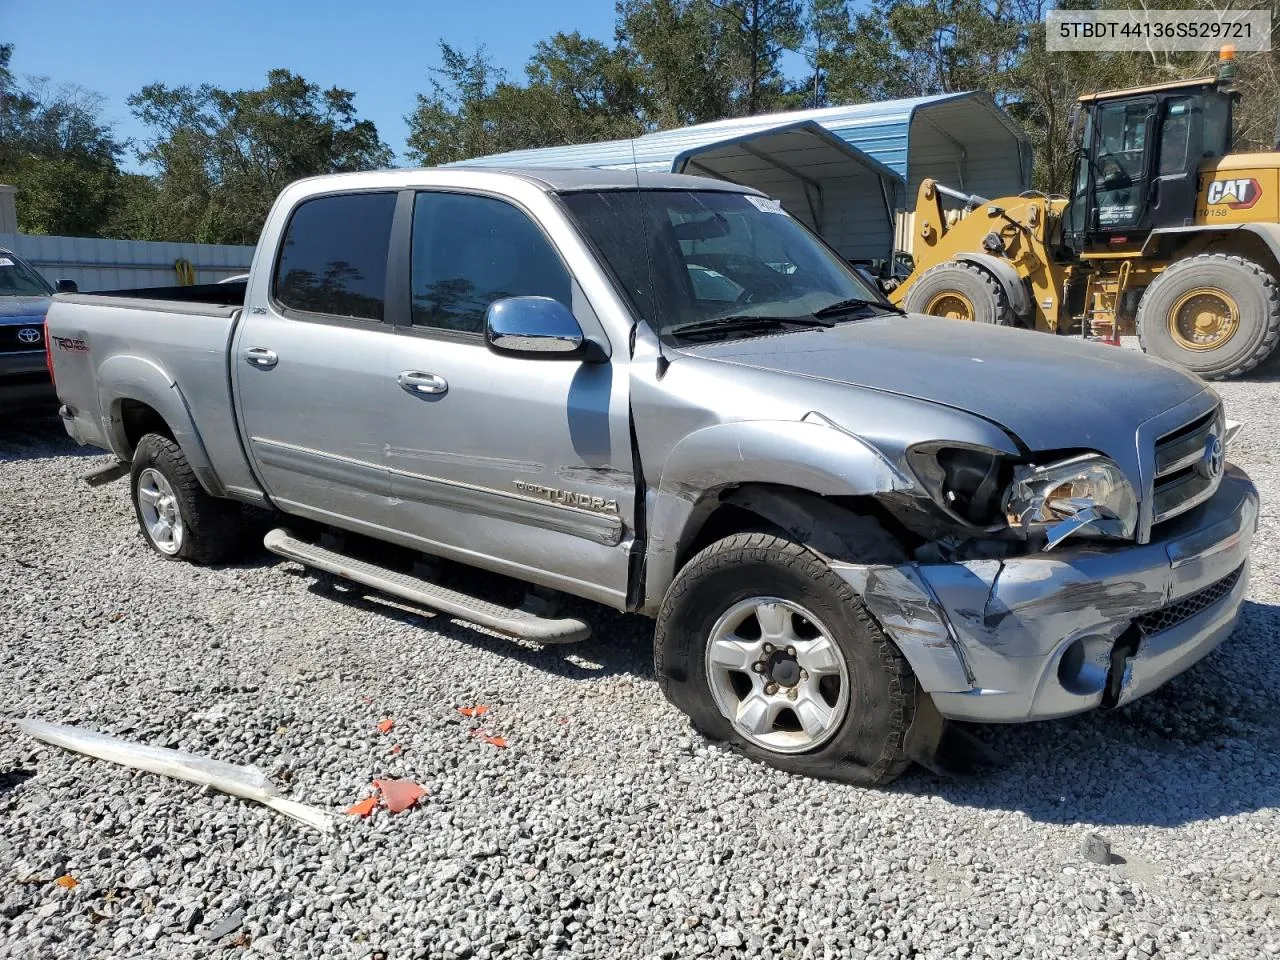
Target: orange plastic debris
[(363, 808), (67, 882), (396, 748), (384, 726), (399, 795), (499, 742), (477, 711)]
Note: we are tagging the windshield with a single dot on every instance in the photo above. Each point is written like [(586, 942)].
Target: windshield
[(19, 280), (694, 257)]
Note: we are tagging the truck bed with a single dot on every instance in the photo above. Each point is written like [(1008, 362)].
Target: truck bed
[(120, 354), (222, 296)]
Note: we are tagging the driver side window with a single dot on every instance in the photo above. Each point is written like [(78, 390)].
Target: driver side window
[(468, 251)]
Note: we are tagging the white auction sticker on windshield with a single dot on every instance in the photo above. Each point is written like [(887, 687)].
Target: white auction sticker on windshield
[(766, 204)]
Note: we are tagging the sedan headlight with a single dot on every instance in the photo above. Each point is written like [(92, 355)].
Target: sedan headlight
[(1086, 494)]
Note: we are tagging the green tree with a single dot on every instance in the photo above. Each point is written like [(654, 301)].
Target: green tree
[(761, 30), (55, 148), (684, 50), (577, 90), (596, 86), (828, 42), (221, 156), (451, 121)]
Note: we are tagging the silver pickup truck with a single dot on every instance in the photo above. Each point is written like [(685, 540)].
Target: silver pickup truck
[(666, 395)]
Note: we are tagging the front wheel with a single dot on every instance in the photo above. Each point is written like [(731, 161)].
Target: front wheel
[(960, 291), (765, 647)]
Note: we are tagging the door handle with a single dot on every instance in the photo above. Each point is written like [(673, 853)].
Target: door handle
[(414, 381), (261, 357)]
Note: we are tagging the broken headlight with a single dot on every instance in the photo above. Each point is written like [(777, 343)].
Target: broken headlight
[(968, 482), (1088, 494)]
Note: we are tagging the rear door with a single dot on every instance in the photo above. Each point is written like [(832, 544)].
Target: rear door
[(514, 463), (310, 358)]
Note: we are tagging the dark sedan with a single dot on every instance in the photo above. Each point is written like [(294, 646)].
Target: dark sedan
[(24, 300)]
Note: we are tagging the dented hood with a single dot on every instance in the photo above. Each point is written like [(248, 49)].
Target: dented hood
[(1051, 392)]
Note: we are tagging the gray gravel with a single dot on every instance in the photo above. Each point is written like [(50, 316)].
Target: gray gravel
[(605, 829)]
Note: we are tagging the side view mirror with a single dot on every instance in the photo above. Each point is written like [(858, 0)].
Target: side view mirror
[(533, 327), (66, 286)]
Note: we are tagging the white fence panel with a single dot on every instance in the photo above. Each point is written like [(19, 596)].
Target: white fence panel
[(123, 264)]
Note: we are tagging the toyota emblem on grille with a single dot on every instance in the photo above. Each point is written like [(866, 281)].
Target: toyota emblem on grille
[(1214, 460), (29, 335)]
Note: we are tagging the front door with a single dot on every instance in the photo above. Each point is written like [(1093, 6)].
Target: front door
[(519, 464), (309, 363), (1119, 164)]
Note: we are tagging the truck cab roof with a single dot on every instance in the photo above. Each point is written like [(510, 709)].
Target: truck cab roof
[(551, 179)]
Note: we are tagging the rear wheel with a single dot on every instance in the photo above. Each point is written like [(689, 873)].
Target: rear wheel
[(177, 517), (1216, 315), (960, 291), (765, 647)]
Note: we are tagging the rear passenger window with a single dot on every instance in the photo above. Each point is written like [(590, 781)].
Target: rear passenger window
[(334, 256), (469, 251)]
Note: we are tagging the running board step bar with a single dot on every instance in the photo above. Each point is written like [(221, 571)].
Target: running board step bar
[(514, 622)]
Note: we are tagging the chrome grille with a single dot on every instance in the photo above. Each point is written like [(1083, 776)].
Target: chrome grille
[(1186, 472), (1175, 613)]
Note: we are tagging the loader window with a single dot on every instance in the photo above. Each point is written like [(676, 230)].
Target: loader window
[(1118, 162), (1175, 136)]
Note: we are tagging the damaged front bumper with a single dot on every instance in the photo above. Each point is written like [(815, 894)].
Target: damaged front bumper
[(1052, 634)]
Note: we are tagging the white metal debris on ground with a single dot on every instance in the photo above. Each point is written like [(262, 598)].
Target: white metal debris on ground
[(605, 827), (246, 782)]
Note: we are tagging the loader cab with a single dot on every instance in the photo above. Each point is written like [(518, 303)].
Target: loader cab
[(1139, 155)]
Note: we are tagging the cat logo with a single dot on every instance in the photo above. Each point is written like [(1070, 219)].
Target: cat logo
[(1237, 194)]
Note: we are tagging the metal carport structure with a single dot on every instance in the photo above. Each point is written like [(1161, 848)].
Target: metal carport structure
[(849, 198), (843, 170)]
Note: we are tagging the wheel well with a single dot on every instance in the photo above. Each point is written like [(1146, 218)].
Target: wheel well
[(827, 523), (725, 520), (137, 419), (1239, 243)]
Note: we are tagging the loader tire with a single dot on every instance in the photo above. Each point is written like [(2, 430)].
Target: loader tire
[(961, 291), (1217, 315)]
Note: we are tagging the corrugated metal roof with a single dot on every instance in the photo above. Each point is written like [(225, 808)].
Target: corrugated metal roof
[(883, 131)]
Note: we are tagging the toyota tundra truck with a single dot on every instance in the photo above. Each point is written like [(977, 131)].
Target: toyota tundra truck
[(666, 395)]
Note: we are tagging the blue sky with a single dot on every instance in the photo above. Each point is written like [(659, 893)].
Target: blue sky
[(381, 49)]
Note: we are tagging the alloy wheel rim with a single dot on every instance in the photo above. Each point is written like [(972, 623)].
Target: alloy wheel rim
[(160, 514), (777, 675), (1204, 319)]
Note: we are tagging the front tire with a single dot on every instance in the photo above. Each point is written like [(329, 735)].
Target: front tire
[(960, 291), (179, 520), (765, 647), (1216, 315)]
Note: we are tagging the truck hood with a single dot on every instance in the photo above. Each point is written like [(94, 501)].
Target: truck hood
[(1051, 392), (23, 308)]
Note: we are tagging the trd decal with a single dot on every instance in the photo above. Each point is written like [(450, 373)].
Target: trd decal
[(73, 344)]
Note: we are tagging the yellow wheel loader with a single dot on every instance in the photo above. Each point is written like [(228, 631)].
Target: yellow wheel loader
[(1165, 234)]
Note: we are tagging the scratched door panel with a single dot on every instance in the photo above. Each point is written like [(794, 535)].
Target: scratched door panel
[(521, 465)]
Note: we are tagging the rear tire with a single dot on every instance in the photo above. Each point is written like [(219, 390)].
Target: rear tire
[(960, 291), (856, 697), (1215, 314), (179, 520)]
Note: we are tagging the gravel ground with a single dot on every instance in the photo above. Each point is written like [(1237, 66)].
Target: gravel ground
[(605, 828)]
